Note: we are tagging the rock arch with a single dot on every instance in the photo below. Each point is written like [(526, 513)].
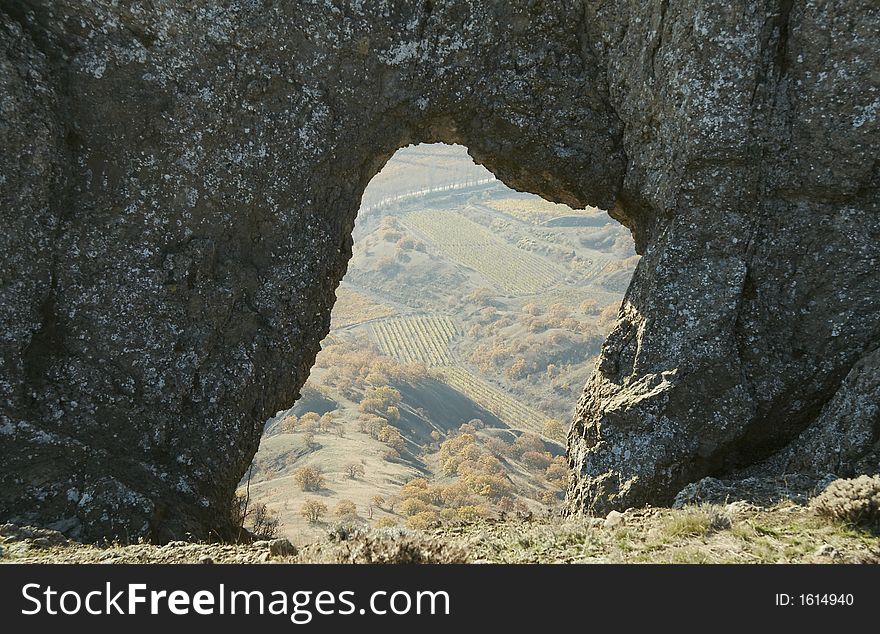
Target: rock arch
[(179, 187)]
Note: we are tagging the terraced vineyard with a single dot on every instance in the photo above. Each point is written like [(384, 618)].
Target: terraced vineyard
[(513, 270), (503, 405), (418, 339)]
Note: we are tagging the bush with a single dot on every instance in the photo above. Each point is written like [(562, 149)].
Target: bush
[(855, 501), (385, 522), (259, 519), (309, 478)]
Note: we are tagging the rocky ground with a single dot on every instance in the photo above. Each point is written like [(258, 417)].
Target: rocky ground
[(739, 532)]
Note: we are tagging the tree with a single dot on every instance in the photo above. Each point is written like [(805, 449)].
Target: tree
[(526, 442), (517, 370), (554, 429), (326, 423), (288, 424), (391, 437), (310, 441), (536, 460), (378, 501), (346, 509), (313, 511), (411, 506), (354, 470), (549, 498), (309, 421), (497, 447), (557, 471), (309, 478)]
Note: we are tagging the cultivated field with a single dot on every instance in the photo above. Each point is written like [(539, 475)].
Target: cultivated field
[(513, 270), (418, 339), (501, 404)]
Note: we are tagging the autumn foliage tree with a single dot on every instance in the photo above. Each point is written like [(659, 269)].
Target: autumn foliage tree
[(313, 510), (345, 509), (309, 478)]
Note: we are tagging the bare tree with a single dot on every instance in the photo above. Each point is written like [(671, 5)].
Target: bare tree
[(354, 470)]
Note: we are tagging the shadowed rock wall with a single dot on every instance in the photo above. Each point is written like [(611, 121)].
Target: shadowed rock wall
[(180, 179)]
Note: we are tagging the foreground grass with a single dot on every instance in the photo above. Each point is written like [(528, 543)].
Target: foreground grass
[(736, 533)]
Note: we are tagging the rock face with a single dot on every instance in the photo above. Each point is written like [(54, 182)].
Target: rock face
[(180, 180)]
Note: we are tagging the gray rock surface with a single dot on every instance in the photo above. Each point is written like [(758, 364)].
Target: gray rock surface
[(180, 180)]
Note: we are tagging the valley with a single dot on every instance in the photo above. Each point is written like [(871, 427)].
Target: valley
[(469, 320)]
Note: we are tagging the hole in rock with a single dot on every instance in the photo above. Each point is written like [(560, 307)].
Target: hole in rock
[(463, 333)]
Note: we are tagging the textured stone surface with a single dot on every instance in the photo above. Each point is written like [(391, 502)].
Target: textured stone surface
[(751, 131), (180, 179)]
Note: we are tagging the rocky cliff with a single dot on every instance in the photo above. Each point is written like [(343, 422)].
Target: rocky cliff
[(180, 180)]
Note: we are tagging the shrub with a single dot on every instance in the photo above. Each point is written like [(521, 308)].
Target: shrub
[(855, 501), (385, 522), (310, 441), (326, 423), (309, 478), (288, 424), (490, 486), (258, 519), (696, 522), (313, 511), (264, 524)]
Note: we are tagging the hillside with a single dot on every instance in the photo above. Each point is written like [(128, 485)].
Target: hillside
[(468, 322)]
